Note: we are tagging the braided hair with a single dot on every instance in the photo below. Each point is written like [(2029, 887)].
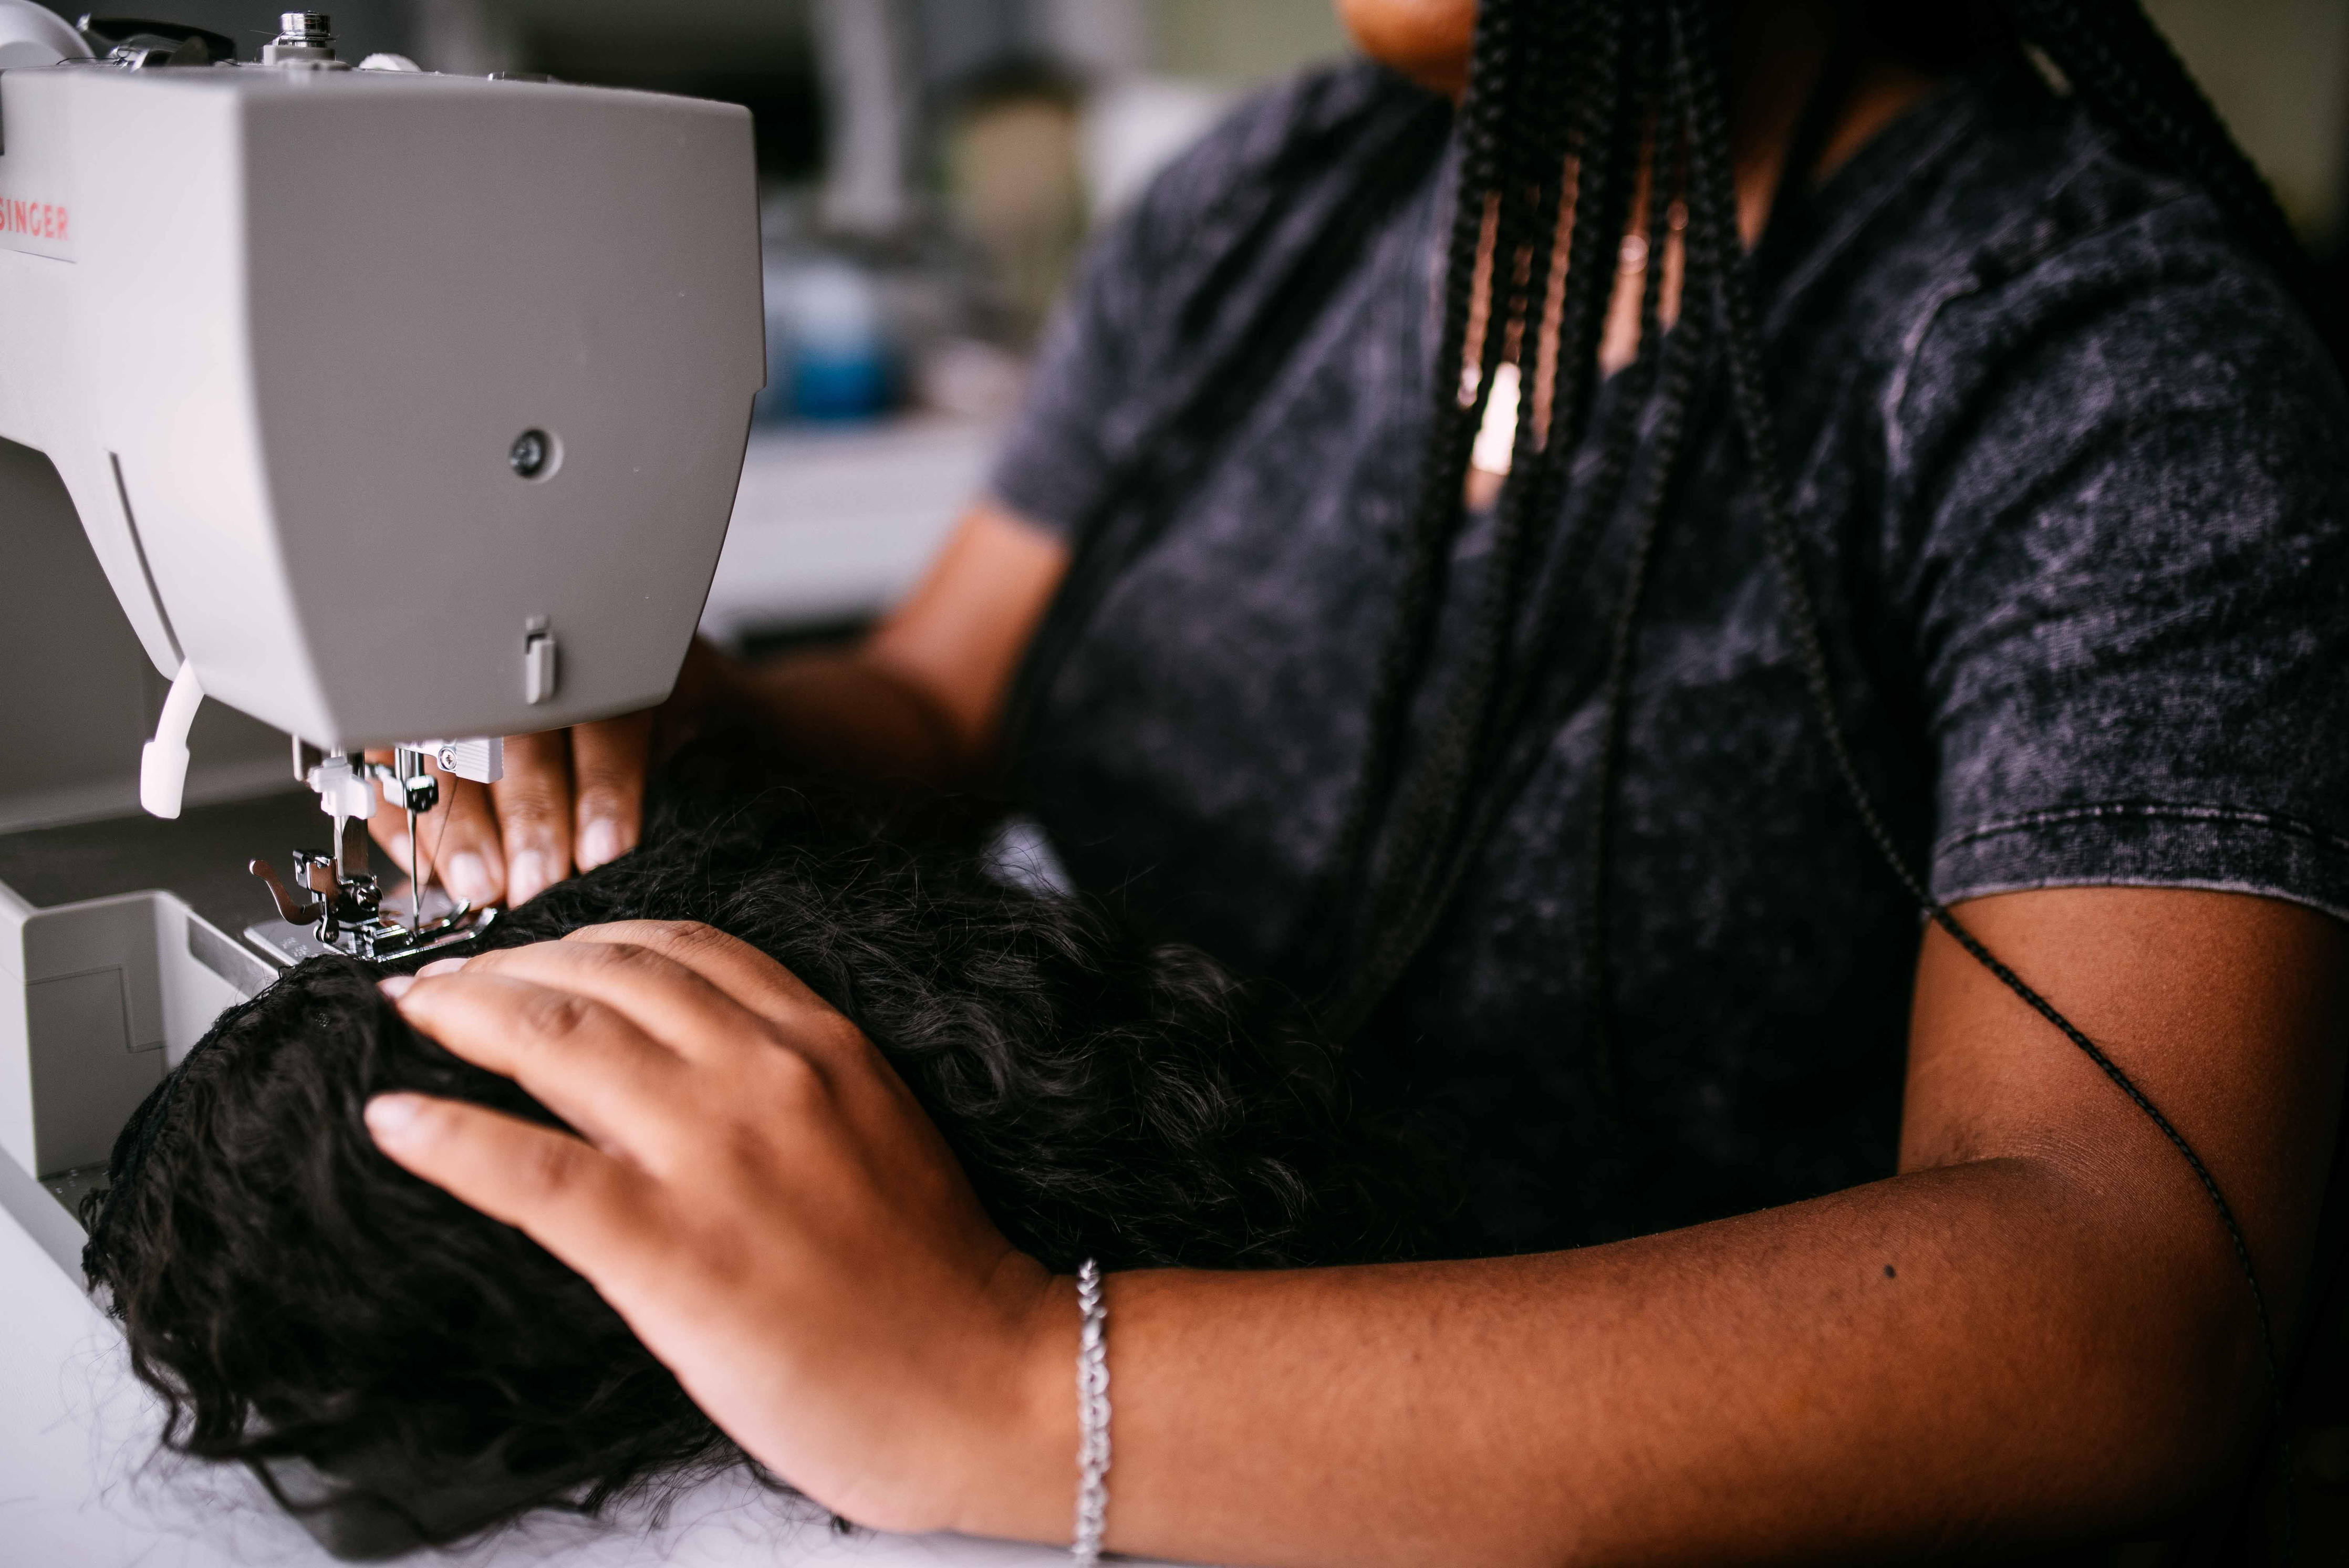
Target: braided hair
[(1580, 118), (1648, 127)]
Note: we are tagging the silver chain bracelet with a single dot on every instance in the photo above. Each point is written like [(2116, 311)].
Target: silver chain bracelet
[(1092, 1418)]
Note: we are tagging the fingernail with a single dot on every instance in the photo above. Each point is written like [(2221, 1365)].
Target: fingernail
[(468, 877), (398, 850), (395, 986), (391, 1117), (599, 842), (440, 966), (526, 876)]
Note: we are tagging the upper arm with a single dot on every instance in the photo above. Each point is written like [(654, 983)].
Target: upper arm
[(958, 639), (2124, 541), (2230, 1012)]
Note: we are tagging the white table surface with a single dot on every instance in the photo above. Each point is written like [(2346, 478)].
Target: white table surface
[(835, 523), (80, 1483)]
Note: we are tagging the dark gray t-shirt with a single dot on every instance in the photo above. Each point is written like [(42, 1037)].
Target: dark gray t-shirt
[(2072, 477)]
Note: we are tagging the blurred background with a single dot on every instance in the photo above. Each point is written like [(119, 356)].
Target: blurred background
[(930, 170)]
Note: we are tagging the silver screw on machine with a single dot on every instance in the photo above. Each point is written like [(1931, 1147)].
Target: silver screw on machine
[(303, 38)]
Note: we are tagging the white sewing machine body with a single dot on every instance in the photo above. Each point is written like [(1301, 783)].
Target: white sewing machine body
[(280, 335), (395, 407), (280, 332)]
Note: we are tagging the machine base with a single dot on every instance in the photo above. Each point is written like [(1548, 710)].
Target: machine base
[(115, 956)]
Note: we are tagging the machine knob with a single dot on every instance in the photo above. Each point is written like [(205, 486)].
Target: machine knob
[(304, 38)]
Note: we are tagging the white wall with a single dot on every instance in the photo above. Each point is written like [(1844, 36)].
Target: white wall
[(2278, 71)]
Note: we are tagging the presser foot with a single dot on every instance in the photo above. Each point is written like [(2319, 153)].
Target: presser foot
[(290, 943), (335, 912)]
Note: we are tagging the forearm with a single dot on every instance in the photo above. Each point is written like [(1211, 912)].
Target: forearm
[(1977, 1351), (2038, 1331), (851, 711), (920, 700)]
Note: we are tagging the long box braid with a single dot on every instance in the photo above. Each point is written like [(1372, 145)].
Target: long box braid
[(1647, 100)]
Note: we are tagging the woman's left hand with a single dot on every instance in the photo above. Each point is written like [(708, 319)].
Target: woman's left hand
[(758, 1194)]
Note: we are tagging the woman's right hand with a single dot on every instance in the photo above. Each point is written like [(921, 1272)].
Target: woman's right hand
[(570, 800)]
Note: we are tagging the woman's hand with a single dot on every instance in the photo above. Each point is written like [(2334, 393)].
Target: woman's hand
[(758, 1194), (571, 799)]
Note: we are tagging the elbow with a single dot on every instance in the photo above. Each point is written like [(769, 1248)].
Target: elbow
[(2136, 1389), (2180, 1394)]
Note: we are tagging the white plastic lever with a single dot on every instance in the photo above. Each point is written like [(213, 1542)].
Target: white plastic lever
[(163, 761)]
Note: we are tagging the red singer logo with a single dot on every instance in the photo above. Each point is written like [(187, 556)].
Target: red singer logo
[(35, 220)]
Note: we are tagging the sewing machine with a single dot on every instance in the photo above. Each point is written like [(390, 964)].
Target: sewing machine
[(399, 412), (396, 412)]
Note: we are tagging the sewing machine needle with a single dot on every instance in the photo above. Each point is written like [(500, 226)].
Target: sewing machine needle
[(415, 878)]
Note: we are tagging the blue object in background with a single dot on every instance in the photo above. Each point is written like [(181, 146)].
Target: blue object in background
[(830, 353)]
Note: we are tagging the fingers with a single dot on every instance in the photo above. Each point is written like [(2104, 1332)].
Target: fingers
[(459, 837), (733, 966), (666, 1000), (814, 1028), (608, 768), (535, 815), (461, 844), (585, 1207), (568, 796), (582, 1059), (699, 990)]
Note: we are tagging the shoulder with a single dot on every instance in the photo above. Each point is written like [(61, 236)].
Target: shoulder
[(1273, 148), (2042, 268), (2115, 469), (1187, 278), (1244, 201)]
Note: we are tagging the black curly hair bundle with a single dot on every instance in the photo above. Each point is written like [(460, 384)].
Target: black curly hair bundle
[(376, 1350)]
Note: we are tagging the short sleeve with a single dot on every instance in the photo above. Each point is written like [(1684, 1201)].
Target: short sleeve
[(2130, 573), (1122, 331), (1171, 287), (1056, 461)]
